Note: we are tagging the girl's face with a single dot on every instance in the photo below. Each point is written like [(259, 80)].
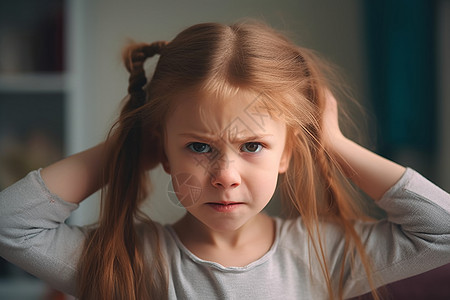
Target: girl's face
[(224, 157)]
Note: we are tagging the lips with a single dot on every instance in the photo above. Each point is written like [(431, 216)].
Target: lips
[(225, 203), (225, 206)]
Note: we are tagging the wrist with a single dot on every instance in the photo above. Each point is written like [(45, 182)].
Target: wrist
[(341, 149), (337, 144)]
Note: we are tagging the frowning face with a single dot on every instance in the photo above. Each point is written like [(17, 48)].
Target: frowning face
[(224, 157)]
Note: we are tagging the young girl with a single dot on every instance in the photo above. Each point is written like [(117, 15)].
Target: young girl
[(230, 112)]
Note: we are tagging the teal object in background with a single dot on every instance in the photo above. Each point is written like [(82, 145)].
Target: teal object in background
[(401, 50)]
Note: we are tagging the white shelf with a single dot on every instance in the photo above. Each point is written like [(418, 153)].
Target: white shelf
[(33, 82)]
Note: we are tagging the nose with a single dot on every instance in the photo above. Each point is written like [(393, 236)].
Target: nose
[(226, 177)]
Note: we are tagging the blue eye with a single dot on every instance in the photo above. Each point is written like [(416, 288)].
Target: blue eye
[(252, 147), (199, 147)]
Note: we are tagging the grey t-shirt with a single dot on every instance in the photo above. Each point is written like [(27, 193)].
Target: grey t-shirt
[(414, 238)]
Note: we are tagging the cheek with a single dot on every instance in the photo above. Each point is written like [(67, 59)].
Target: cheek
[(262, 185), (187, 188)]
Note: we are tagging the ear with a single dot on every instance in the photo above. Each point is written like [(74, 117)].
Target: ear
[(166, 168), (165, 164), (160, 152), (285, 159)]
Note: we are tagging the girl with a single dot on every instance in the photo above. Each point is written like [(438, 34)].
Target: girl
[(228, 111)]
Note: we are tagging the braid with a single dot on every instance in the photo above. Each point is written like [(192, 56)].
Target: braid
[(114, 256), (134, 57)]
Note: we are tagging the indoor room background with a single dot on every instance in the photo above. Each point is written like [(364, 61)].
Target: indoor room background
[(62, 80)]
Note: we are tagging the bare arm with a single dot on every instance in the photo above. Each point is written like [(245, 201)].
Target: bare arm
[(76, 177), (372, 173)]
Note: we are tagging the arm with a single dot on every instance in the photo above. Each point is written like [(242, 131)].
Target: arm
[(33, 232), (34, 235), (414, 238), (371, 172), (76, 177)]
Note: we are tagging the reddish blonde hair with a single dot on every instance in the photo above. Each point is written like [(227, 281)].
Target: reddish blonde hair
[(221, 60)]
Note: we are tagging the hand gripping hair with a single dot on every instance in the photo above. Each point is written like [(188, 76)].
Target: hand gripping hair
[(134, 57)]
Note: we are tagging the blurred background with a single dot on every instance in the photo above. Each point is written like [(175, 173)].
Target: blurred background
[(61, 82)]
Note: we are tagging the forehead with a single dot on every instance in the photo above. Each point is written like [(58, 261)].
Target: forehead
[(245, 113)]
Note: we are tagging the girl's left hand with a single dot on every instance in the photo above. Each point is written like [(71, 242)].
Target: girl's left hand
[(331, 133), (371, 172)]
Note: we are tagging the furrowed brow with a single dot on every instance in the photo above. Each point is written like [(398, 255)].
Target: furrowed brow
[(249, 138), (205, 137), (235, 139)]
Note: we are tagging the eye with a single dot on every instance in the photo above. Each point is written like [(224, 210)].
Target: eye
[(252, 147), (199, 147)]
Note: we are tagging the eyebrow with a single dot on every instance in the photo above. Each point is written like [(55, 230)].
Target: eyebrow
[(198, 136), (235, 139)]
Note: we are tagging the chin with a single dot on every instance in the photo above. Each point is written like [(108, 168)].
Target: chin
[(225, 225)]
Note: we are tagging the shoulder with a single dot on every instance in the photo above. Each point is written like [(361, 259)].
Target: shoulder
[(288, 229), (154, 233), (294, 235)]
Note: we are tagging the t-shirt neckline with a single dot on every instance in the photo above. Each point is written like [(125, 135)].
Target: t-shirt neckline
[(263, 259)]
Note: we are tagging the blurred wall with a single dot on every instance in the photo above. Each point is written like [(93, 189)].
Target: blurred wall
[(443, 70), (98, 30)]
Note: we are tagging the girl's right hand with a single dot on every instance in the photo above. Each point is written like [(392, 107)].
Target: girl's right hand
[(76, 177)]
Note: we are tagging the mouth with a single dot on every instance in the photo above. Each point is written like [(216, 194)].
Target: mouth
[(224, 206)]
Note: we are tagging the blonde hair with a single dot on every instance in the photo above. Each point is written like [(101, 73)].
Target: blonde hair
[(222, 60)]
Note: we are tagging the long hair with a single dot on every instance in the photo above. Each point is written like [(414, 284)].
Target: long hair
[(221, 60)]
